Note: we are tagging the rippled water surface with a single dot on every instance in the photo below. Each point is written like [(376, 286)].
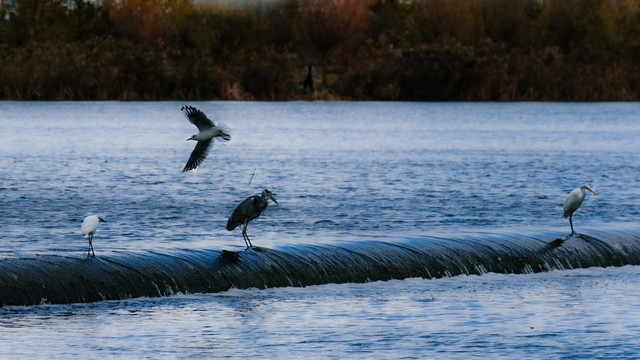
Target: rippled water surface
[(340, 172)]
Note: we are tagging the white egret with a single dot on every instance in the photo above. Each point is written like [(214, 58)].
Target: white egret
[(248, 210), (207, 132), (573, 202), (89, 227)]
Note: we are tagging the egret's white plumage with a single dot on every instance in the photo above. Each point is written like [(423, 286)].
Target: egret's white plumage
[(208, 131), (573, 202), (89, 227)]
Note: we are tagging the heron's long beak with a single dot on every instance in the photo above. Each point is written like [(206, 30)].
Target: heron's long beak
[(272, 198), (594, 193)]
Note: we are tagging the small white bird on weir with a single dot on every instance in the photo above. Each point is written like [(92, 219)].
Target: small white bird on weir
[(573, 202), (89, 227), (207, 132)]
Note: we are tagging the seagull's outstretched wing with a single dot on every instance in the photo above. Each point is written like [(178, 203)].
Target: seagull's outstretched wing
[(197, 118), (198, 154)]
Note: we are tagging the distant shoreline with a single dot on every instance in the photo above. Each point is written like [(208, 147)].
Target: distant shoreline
[(423, 50)]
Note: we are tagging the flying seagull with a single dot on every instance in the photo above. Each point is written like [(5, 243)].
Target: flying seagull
[(207, 131), (89, 227), (249, 209)]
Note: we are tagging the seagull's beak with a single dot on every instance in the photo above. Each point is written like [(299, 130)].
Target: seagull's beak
[(189, 139), (594, 193)]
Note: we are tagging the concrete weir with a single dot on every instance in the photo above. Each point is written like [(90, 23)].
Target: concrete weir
[(60, 279)]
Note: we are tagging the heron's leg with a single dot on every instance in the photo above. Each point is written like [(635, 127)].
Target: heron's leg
[(244, 234), (250, 245), (571, 223)]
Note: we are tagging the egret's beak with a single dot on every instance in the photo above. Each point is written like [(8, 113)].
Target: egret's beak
[(272, 198), (594, 193), (101, 219)]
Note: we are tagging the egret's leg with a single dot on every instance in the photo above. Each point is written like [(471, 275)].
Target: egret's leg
[(90, 245), (571, 223)]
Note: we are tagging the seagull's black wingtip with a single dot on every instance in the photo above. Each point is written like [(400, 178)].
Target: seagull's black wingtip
[(189, 166), (191, 111)]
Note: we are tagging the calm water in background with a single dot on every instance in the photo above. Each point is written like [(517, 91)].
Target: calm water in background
[(341, 172)]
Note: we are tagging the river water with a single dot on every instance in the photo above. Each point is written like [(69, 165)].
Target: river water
[(341, 172)]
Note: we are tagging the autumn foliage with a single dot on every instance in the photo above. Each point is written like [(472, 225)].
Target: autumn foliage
[(361, 49)]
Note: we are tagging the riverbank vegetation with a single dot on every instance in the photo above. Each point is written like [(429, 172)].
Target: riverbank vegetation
[(569, 50)]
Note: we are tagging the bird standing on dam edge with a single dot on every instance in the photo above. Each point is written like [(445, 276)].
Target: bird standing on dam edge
[(573, 202), (249, 209), (89, 227)]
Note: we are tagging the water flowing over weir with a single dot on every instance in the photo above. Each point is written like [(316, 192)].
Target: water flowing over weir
[(64, 279)]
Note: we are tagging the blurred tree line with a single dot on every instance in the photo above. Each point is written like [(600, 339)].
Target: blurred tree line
[(362, 49)]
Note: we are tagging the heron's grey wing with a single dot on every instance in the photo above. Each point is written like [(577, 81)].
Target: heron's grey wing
[(197, 118), (198, 155), (241, 212), (258, 205)]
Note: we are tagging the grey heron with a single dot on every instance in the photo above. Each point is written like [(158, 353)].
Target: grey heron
[(89, 227), (207, 131), (573, 202), (249, 209)]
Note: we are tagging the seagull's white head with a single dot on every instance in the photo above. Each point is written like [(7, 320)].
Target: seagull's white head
[(193, 137)]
